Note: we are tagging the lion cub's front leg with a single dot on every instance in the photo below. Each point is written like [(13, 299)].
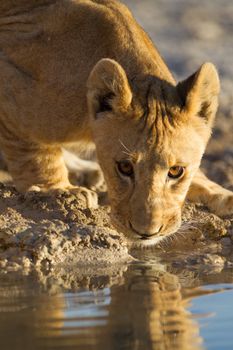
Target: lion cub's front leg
[(41, 168), (215, 197)]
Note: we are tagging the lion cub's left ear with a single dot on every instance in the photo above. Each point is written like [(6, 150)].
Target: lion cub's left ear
[(199, 93), (108, 88)]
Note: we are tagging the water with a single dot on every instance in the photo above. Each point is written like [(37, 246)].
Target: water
[(138, 306), (149, 304)]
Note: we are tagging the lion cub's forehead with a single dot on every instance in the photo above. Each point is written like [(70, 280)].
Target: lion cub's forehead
[(155, 96), (157, 131), (157, 111), (162, 145)]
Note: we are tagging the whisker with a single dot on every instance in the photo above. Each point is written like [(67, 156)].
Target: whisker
[(127, 151), (128, 154)]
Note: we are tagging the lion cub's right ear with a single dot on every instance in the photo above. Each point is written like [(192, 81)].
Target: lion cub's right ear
[(108, 88), (199, 93)]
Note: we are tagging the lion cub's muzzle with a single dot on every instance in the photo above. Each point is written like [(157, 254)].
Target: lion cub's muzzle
[(146, 228), (147, 233)]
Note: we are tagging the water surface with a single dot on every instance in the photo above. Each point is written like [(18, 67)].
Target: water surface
[(138, 306)]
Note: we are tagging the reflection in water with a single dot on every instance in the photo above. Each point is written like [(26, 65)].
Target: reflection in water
[(155, 315), (146, 309)]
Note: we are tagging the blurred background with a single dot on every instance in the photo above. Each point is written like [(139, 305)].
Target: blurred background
[(187, 34)]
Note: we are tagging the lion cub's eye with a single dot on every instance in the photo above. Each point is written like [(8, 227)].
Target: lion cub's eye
[(125, 167), (175, 172)]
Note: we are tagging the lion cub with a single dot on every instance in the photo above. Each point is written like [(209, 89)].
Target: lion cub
[(82, 70)]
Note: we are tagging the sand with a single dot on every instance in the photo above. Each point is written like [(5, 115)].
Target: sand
[(46, 231), (41, 231)]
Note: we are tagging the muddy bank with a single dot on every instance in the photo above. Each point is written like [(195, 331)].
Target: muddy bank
[(203, 245), (43, 231)]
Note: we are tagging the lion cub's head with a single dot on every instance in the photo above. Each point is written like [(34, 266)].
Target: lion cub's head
[(150, 137)]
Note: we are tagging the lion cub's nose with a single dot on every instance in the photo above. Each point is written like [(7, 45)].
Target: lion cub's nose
[(147, 233)]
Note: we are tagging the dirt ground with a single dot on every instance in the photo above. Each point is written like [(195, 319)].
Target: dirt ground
[(42, 232)]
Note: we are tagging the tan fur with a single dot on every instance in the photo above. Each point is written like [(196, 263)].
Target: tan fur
[(55, 56)]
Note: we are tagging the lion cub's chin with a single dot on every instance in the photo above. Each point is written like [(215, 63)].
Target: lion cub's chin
[(134, 242), (144, 243)]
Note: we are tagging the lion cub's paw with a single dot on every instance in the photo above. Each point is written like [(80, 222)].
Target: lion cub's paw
[(222, 204), (90, 178), (90, 196), (33, 188)]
